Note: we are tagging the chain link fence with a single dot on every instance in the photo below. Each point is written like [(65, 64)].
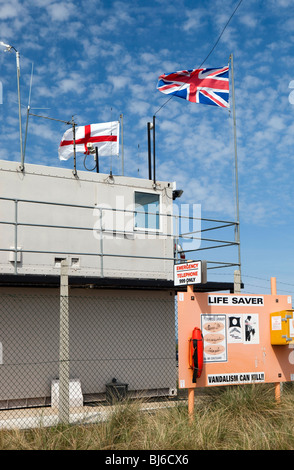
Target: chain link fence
[(68, 356)]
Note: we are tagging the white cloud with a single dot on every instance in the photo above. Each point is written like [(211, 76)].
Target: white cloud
[(277, 123), (73, 83), (257, 212), (248, 20), (61, 11), (9, 10), (194, 19), (138, 107), (281, 3), (119, 82), (43, 130)]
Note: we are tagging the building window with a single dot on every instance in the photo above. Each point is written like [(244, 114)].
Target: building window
[(147, 211)]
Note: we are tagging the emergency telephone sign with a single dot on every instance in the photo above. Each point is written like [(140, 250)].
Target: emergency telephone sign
[(189, 273)]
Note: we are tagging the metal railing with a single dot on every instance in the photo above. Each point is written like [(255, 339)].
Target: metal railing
[(175, 223)]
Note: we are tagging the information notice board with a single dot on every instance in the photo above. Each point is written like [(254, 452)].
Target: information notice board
[(236, 339)]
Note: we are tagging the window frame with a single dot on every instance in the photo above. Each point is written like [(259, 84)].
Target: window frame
[(159, 215)]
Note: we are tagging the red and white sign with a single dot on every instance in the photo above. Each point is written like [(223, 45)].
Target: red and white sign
[(187, 273)]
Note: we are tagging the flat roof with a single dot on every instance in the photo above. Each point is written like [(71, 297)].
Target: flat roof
[(41, 280)]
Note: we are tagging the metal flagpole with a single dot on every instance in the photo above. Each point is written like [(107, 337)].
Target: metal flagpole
[(74, 145), (154, 165), (237, 234), (8, 49), (19, 109), (149, 149), (122, 145)]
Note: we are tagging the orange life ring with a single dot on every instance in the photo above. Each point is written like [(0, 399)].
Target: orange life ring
[(196, 353)]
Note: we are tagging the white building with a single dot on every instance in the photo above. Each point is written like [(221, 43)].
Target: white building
[(117, 235)]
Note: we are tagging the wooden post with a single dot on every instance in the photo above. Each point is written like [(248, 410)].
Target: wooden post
[(278, 392), (191, 397), (277, 384), (273, 286), (237, 282)]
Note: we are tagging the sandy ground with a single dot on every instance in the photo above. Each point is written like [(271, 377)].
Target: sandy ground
[(48, 416)]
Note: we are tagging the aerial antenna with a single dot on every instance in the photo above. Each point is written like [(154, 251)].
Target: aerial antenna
[(69, 123), (138, 159), (28, 109)]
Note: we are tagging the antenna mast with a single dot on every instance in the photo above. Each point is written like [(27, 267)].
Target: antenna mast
[(69, 123), (28, 111)]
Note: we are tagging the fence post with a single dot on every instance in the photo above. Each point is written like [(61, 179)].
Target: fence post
[(101, 243), (278, 388), (15, 234), (237, 281), (63, 405)]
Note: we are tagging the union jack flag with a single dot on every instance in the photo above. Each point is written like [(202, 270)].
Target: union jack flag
[(207, 86)]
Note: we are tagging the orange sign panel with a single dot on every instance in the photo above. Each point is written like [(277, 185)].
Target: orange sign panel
[(236, 331)]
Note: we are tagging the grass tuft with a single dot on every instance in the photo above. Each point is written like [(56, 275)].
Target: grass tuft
[(228, 418)]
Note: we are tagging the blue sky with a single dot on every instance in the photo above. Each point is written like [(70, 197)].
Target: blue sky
[(99, 59)]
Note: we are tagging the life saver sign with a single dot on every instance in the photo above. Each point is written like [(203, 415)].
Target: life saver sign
[(196, 353)]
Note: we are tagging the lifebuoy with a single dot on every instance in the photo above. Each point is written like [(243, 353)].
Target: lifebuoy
[(196, 353)]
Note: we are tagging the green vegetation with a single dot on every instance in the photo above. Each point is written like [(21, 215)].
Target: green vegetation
[(228, 418)]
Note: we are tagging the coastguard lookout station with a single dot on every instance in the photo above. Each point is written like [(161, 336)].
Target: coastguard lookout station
[(118, 238)]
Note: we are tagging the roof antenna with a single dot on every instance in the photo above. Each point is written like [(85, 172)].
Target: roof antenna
[(138, 159), (28, 110)]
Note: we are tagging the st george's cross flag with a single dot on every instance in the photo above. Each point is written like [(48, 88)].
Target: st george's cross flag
[(207, 86), (105, 136)]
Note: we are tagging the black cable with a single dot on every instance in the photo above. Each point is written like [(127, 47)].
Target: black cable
[(225, 27), (211, 51), (89, 169)]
